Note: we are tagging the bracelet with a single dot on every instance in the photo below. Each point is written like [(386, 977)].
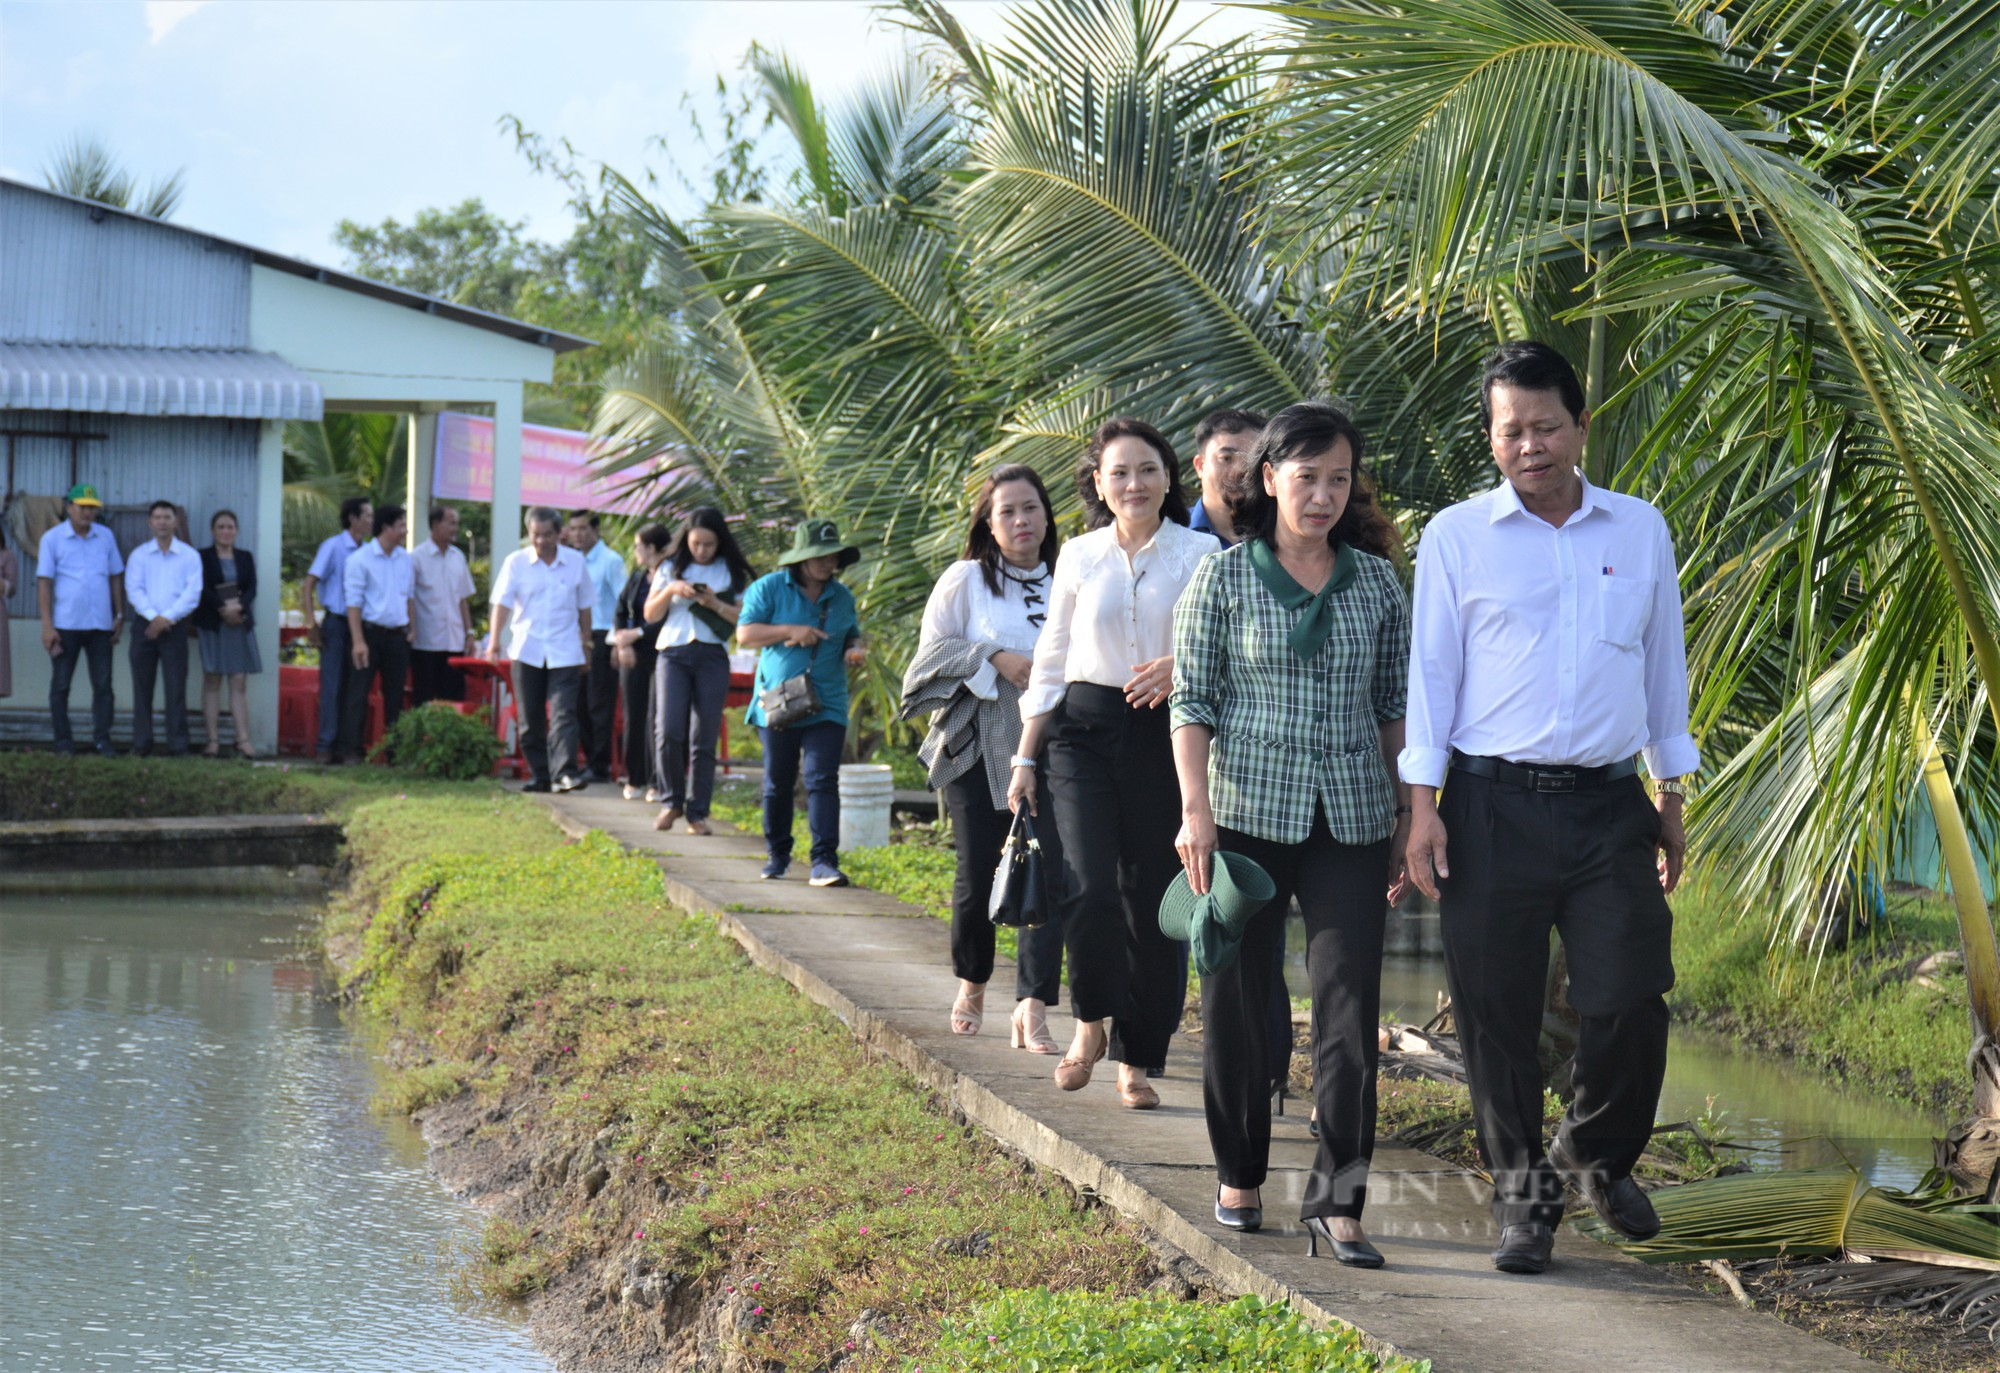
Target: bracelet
[(1018, 761), (1671, 786)]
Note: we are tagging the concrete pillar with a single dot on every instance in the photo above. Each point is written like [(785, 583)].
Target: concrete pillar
[(507, 535), (423, 460), (267, 547)]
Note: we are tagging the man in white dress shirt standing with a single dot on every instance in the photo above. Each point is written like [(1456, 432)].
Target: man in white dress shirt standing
[(380, 587), (1547, 651), (438, 610), (162, 586), (541, 623)]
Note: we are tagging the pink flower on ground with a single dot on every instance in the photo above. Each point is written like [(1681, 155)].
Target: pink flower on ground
[(864, 1229), (756, 1310)]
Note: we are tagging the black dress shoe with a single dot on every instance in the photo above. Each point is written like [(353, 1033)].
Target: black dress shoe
[(571, 783), (1244, 1218), (536, 786), (1525, 1248), (1353, 1253), (1619, 1202)]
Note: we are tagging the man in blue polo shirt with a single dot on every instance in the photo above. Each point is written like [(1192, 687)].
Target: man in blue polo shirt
[(1222, 446), (600, 678), (80, 590), (328, 579)]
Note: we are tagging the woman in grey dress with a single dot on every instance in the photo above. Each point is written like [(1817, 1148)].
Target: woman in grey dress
[(222, 620)]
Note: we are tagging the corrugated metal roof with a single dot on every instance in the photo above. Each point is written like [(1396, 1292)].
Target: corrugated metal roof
[(115, 282), (552, 339), (192, 382)]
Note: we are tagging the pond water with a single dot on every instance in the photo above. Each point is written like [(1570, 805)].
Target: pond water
[(190, 1175), (1782, 1109)]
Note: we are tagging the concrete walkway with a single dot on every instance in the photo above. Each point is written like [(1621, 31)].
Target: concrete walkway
[(884, 968)]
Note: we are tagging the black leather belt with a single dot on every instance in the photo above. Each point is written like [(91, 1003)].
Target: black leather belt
[(1543, 776)]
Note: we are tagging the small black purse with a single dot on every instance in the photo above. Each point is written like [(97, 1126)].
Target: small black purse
[(1020, 897)]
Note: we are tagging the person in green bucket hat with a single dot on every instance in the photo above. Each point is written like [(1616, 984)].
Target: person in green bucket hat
[(1290, 655), (805, 628)]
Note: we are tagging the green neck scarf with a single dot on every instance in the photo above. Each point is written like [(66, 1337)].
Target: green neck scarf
[(1310, 633)]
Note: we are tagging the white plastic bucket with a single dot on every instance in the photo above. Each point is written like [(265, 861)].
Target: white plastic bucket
[(866, 790)]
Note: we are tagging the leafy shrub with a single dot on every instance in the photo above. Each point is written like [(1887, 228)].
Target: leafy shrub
[(1041, 1330), (434, 740)]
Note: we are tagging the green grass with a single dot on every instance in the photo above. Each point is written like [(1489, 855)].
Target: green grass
[(745, 1136), (42, 786), (1042, 1330), (1857, 1014)]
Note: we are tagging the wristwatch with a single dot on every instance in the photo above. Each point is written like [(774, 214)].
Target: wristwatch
[(1671, 786), (1020, 761)]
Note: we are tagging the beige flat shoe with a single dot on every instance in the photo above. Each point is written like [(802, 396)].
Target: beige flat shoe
[(1073, 1074), (699, 827), (664, 821)]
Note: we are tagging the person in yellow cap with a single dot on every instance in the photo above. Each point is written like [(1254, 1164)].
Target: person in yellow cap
[(80, 590)]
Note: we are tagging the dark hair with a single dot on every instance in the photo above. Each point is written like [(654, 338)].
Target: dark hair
[(589, 517), (981, 546), (438, 512), (1529, 366), (1227, 422), (1307, 430), (741, 574), (163, 505), (656, 536), (222, 512), (387, 516), (1096, 514), (351, 507)]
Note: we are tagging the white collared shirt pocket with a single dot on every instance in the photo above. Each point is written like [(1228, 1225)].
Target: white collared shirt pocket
[(1625, 605)]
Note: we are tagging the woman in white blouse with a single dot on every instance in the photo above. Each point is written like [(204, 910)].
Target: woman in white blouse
[(698, 591), (979, 632), (1097, 694)]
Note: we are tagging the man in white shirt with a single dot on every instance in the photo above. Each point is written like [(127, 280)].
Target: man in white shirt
[(326, 580), (163, 586), (80, 589), (542, 603), (600, 682), (378, 587), (1547, 651), (443, 623)]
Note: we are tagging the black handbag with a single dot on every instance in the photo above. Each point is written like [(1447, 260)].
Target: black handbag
[(793, 701), (1020, 897)]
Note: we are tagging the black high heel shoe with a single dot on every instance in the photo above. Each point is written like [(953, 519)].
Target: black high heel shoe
[(1244, 1218), (1353, 1253)]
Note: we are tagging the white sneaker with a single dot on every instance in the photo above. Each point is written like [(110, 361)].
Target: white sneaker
[(654, 796), (631, 792)]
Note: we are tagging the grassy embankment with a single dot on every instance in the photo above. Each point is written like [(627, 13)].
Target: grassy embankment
[(1858, 1015), (744, 1137), (41, 786)]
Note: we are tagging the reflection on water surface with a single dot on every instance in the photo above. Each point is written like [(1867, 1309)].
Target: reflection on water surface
[(190, 1177)]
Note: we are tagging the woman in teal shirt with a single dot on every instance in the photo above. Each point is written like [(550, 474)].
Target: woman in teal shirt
[(1290, 656), (803, 621)]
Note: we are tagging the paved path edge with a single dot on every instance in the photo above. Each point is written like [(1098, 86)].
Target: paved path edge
[(1091, 1173)]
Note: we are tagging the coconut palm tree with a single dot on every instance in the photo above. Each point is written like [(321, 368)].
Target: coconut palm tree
[(85, 167), (1772, 228), (326, 461)]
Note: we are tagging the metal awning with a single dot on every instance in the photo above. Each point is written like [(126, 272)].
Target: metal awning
[(212, 383)]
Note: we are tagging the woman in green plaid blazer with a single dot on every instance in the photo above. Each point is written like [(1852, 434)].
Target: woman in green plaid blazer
[(1290, 656)]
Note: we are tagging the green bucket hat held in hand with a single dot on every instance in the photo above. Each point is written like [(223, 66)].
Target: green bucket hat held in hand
[(1213, 924), (819, 539)]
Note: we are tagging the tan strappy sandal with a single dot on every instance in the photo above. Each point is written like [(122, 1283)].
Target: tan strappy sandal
[(968, 1013), (1031, 1028)]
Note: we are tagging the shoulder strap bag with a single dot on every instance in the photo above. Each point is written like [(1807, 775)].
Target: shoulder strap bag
[(793, 701)]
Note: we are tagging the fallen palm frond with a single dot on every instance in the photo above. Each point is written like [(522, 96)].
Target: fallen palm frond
[(1969, 1297), (1813, 1212)]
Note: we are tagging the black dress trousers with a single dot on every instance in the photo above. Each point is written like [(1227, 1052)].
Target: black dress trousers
[(1582, 863), (1342, 891), (1118, 806), (978, 833)]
